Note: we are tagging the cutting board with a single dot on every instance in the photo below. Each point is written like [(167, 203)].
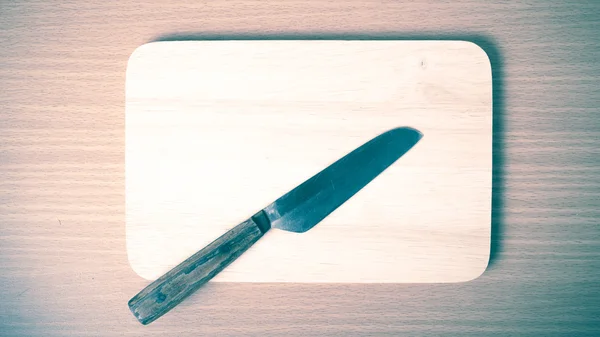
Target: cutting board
[(216, 130)]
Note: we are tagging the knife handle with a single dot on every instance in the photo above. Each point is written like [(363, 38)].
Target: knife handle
[(173, 287)]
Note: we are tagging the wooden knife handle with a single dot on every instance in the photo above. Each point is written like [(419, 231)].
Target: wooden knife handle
[(170, 289)]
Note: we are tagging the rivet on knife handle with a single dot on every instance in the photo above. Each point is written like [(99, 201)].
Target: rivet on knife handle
[(170, 289)]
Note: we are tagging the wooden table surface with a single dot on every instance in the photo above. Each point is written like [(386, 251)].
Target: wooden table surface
[(63, 262)]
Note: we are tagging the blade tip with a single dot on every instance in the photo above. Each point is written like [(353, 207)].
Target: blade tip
[(418, 134)]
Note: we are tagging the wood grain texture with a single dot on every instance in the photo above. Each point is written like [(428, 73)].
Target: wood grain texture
[(216, 130), (62, 247), (184, 279)]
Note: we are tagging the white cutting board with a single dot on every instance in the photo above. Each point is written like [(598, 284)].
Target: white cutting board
[(216, 130)]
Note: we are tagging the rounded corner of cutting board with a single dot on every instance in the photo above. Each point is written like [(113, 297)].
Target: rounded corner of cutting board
[(140, 51), (145, 271), (146, 52), (480, 51), (485, 261), (143, 267), (484, 267)]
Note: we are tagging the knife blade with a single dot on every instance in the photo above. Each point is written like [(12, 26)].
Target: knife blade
[(297, 211)]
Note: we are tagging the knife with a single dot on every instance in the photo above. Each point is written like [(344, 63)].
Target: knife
[(297, 211)]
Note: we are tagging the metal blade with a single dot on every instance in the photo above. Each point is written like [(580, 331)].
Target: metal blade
[(306, 205)]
